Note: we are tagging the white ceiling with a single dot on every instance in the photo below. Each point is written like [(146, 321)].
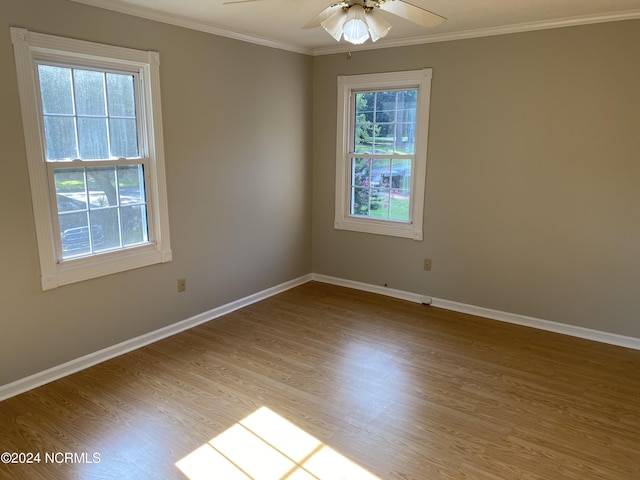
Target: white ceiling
[(278, 23)]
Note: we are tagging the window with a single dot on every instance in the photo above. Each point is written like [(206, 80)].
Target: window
[(381, 152), (93, 133)]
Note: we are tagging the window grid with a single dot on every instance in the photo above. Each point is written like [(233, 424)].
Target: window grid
[(117, 207), (369, 188), (106, 117), (393, 124)]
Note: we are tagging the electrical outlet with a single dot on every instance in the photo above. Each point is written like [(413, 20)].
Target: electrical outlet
[(427, 264), (182, 284)]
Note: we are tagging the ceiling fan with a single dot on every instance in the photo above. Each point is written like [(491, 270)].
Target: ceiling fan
[(358, 20)]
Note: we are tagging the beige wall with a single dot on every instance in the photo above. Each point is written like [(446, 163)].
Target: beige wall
[(237, 126), (532, 202), (533, 182)]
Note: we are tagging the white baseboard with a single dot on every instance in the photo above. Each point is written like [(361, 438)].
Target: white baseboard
[(366, 287), (565, 329), (33, 381), (572, 330)]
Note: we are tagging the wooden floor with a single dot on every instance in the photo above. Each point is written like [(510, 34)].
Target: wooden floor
[(323, 382)]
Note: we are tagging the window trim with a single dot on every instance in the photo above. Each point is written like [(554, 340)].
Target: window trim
[(347, 85), (30, 48)]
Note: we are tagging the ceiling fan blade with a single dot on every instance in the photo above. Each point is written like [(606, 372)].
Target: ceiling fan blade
[(323, 15), (233, 2), (414, 14)]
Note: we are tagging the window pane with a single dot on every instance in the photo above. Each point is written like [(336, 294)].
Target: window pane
[(123, 137), (405, 138), (400, 190), (131, 184), (361, 183), (70, 189), (380, 172), (385, 106), (407, 100), (92, 138), (360, 172), (60, 137), (55, 90), (74, 234), (406, 115), (359, 201), (364, 135), (399, 208), (102, 187), (120, 95), (364, 105), (364, 130), (105, 229), (134, 225), (379, 207), (89, 90), (380, 180)]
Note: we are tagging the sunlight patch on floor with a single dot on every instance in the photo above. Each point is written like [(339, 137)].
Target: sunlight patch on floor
[(265, 446)]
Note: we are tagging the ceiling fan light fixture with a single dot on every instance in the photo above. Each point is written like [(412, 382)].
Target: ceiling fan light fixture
[(333, 25), (356, 24), (378, 26), (356, 29), (357, 20)]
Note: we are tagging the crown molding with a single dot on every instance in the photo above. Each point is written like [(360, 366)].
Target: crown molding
[(201, 27), (484, 32), (343, 47)]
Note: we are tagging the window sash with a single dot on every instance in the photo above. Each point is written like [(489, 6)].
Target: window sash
[(147, 203), (55, 165), (104, 67), (350, 157), (375, 112)]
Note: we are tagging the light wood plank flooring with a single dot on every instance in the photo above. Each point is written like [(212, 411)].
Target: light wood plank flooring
[(337, 383)]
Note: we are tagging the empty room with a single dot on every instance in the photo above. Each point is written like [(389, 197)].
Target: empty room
[(269, 240)]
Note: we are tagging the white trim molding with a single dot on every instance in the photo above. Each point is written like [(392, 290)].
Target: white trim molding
[(42, 378), (150, 14), (517, 319), (523, 320), (482, 32), (367, 287), (348, 87), (31, 48), (170, 19)]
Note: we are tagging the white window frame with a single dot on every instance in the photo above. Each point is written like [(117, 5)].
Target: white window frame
[(347, 86), (31, 48)]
